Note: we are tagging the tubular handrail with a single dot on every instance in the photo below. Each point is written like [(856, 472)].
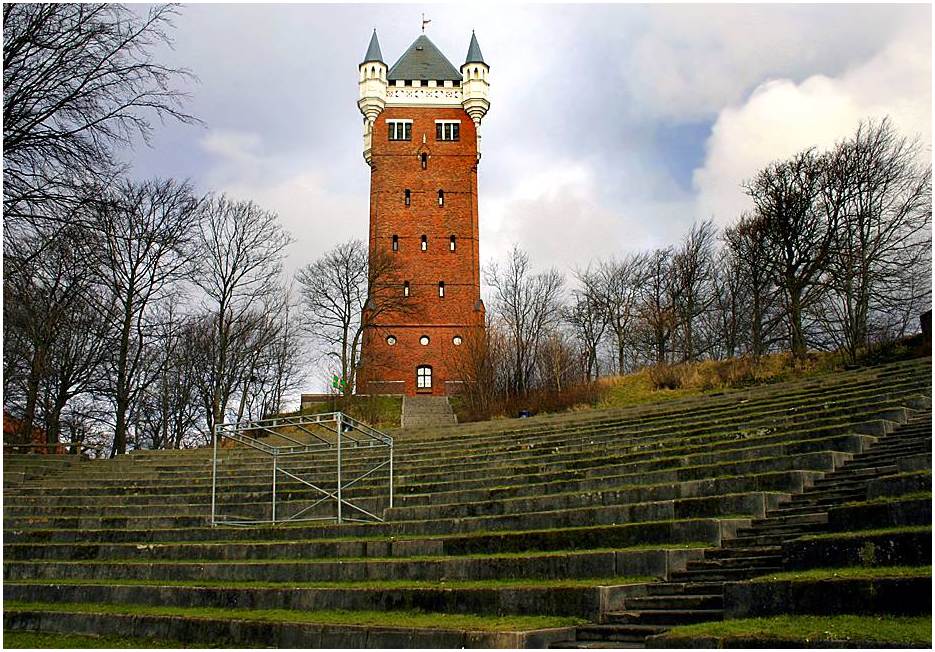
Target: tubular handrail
[(335, 424)]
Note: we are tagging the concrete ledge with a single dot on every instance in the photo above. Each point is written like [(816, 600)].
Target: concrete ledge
[(879, 515), (583, 602), (249, 633), (912, 548), (684, 642), (910, 596)]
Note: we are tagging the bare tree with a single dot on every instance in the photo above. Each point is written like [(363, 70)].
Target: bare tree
[(78, 80), (242, 248), (692, 271), (588, 323), (147, 231), (345, 292), (615, 286), (529, 306), (879, 198), (786, 194), (51, 341), (749, 250), (657, 307)]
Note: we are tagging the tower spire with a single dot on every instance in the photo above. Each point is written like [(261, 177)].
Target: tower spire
[(373, 50), (474, 54)]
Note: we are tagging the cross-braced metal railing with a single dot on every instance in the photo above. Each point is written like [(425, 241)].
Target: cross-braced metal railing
[(332, 436)]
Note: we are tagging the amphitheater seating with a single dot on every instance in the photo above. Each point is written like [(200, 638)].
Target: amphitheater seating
[(600, 527)]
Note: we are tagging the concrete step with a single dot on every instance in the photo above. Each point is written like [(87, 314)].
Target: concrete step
[(665, 617)]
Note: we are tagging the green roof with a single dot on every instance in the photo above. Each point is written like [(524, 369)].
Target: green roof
[(425, 62)]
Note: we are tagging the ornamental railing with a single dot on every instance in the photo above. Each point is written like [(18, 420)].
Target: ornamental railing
[(314, 460)]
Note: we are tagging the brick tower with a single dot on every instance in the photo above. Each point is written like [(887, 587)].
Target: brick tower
[(422, 122)]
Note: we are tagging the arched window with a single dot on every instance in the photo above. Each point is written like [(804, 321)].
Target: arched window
[(408, 197), (441, 289), (441, 197), (425, 243), (395, 243), (452, 243), (406, 288), (425, 161), (424, 377)]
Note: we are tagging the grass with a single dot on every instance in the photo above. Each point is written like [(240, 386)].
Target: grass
[(402, 619), (391, 560), (860, 534), (37, 640), (500, 583), (885, 500), (378, 411), (812, 629), (847, 573)]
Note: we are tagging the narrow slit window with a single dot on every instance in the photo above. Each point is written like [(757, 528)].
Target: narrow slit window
[(408, 197), (425, 243), (395, 243), (406, 288), (441, 289), (425, 161), (441, 197), (453, 243)]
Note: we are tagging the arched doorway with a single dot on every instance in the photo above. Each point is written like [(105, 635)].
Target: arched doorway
[(424, 379)]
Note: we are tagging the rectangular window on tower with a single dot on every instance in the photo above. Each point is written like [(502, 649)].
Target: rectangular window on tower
[(447, 130), (400, 129)]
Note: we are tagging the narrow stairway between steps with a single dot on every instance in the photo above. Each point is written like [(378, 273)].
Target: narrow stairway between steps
[(427, 411), (697, 593)]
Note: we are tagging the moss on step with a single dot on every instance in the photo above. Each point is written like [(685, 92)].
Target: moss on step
[(405, 619), (376, 585), (847, 572), (814, 629), (38, 640), (861, 534)]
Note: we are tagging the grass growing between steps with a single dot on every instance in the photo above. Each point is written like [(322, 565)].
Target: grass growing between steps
[(885, 500), (378, 411), (860, 534), (812, 629), (402, 619), (36, 640), (380, 585), (847, 573)]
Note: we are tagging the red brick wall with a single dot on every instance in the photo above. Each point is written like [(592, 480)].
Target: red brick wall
[(451, 167)]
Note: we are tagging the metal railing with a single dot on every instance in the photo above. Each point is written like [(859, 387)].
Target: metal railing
[(332, 436)]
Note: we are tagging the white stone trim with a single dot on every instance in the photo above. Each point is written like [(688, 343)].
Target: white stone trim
[(389, 120)]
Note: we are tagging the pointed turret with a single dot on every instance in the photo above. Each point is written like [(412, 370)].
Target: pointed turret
[(372, 82), (474, 86), (474, 54), (373, 50)]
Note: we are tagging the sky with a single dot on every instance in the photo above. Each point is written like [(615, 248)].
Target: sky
[(612, 128)]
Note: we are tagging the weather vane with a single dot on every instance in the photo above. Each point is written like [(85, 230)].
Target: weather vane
[(425, 22)]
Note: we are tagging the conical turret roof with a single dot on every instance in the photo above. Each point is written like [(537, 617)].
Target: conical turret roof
[(474, 54), (423, 61), (373, 50)]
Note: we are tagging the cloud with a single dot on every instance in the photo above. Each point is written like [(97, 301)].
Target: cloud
[(782, 117), (300, 191), (562, 218), (688, 62)]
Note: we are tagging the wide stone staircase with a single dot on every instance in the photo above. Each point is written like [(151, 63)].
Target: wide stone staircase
[(697, 593), (587, 530), (427, 411)]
